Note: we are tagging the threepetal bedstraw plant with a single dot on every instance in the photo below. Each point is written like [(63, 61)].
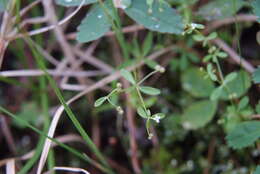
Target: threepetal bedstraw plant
[(136, 86)]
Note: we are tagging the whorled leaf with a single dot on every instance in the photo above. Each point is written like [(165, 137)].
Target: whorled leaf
[(244, 134), (100, 101), (141, 112), (149, 90), (128, 76), (162, 18), (70, 3)]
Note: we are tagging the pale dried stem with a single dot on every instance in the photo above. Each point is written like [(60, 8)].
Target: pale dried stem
[(95, 86)]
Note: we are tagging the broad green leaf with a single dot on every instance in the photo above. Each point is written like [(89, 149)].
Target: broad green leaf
[(149, 90), (237, 87), (199, 114), (243, 103), (220, 9), (256, 75), (3, 5), (95, 24), (162, 19), (142, 113), (69, 3), (194, 81), (216, 93), (257, 170), (100, 101), (244, 134), (256, 7), (128, 76)]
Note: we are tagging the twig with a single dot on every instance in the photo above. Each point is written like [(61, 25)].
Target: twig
[(97, 85), (45, 29), (67, 73), (7, 134), (239, 18)]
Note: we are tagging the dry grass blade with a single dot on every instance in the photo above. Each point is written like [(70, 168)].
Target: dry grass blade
[(97, 85), (70, 169), (10, 166), (45, 29)]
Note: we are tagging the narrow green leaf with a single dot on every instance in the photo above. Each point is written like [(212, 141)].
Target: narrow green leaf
[(100, 101), (212, 36), (211, 72), (256, 75), (142, 113), (222, 55), (95, 24), (149, 90), (70, 3), (244, 134), (230, 77), (198, 37), (151, 63), (128, 76), (162, 19), (148, 43)]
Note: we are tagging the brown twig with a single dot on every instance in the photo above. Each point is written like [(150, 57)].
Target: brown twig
[(233, 55), (219, 23)]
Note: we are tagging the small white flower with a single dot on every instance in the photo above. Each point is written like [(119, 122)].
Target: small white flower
[(156, 119)]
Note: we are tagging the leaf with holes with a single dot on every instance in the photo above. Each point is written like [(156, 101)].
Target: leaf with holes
[(95, 24), (162, 19), (70, 3), (244, 134), (149, 90)]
